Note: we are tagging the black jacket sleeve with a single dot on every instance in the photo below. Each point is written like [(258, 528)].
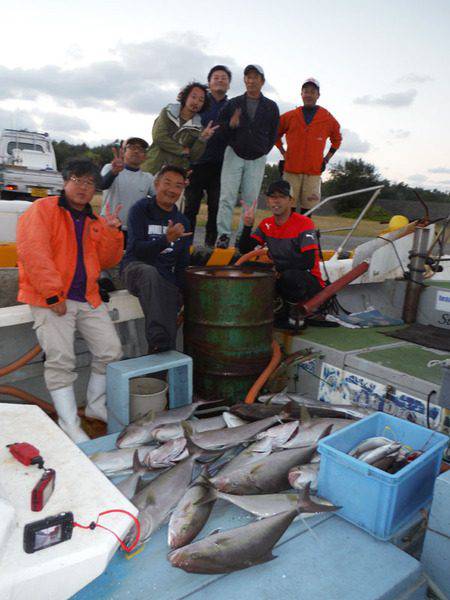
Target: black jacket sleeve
[(247, 243)]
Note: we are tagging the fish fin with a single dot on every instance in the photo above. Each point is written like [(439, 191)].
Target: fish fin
[(305, 504), (140, 485), (325, 432), (287, 411), (191, 446), (137, 465), (213, 532)]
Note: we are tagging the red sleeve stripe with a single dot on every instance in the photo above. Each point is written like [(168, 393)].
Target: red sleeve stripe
[(257, 238)]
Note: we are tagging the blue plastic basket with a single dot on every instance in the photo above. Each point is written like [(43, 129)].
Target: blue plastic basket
[(376, 501)]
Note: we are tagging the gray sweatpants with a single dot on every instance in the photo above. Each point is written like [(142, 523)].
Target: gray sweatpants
[(158, 299), (56, 335)]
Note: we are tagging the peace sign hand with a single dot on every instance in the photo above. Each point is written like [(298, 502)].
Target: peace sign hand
[(112, 218), (209, 131), (118, 163), (249, 213)]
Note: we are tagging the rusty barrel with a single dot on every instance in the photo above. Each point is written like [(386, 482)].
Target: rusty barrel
[(228, 325)]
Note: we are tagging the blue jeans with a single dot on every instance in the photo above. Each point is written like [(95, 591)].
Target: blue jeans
[(237, 173)]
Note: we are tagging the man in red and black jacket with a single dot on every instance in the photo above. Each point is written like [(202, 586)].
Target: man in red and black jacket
[(293, 246)]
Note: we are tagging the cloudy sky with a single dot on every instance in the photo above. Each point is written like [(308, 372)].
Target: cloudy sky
[(95, 71)]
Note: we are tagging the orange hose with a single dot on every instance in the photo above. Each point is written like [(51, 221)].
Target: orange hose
[(273, 364), (16, 393), (20, 362), (253, 254)]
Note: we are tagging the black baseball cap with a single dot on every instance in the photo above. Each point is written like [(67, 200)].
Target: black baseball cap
[(281, 186), (136, 141)]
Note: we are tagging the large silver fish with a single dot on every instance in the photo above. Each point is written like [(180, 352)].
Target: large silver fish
[(167, 454), (266, 505), (267, 475), (227, 438), (191, 513), (118, 460), (141, 431), (313, 430), (157, 499), (316, 408), (171, 431), (239, 548)]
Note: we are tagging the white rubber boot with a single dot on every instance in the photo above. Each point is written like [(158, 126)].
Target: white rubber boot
[(96, 398), (68, 419)]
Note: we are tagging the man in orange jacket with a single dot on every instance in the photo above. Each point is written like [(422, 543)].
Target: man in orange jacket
[(62, 247), (307, 129)]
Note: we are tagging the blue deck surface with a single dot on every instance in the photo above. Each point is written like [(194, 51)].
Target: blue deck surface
[(337, 561)]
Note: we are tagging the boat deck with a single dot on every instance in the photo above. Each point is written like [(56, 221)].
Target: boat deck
[(321, 558)]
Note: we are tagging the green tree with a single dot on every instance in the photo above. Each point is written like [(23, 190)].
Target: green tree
[(348, 176)]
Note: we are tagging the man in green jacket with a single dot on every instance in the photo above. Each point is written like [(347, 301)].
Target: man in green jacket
[(178, 135)]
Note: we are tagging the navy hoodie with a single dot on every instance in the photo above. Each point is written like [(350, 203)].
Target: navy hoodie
[(147, 241)]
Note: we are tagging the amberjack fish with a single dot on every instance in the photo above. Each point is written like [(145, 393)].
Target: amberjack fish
[(311, 431), (157, 499), (191, 513), (239, 548), (267, 475), (141, 431), (227, 438), (266, 505)]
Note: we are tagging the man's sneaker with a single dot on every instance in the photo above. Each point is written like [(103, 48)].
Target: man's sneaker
[(288, 323), (223, 241)]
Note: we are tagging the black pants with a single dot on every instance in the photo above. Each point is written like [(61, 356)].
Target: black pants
[(295, 285), (158, 299), (204, 178)]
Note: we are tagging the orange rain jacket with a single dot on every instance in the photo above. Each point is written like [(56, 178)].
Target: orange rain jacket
[(47, 252), (306, 143)]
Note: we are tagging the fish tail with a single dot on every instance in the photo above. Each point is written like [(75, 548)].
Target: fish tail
[(305, 504)]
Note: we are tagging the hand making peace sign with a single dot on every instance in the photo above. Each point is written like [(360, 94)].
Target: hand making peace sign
[(118, 163), (112, 218), (209, 131), (249, 213)]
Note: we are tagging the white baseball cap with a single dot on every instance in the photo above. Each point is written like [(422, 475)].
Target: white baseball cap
[(312, 81), (256, 68)]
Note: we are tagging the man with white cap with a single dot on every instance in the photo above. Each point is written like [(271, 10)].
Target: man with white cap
[(250, 123), (307, 129)]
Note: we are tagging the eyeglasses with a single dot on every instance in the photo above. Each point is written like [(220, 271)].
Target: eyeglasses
[(87, 183)]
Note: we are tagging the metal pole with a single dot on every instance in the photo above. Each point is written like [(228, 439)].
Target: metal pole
[(416, 272), (358, 221)]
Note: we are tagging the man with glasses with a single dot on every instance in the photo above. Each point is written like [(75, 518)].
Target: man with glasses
[(123, 182), (62, 246), (157, 254)]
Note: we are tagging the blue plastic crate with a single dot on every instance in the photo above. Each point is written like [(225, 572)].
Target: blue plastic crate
[(376, 501)]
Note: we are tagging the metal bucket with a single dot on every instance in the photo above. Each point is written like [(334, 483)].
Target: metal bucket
[(228, 325)]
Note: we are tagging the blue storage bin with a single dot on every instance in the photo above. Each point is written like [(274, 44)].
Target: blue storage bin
[(376, 501)]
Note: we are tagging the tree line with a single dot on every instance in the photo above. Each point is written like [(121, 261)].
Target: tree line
[(345, 176)]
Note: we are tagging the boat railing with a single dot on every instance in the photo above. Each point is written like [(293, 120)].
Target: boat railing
[(376, 189)]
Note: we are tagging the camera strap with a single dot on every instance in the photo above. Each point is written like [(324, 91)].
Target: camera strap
[(94, 524)]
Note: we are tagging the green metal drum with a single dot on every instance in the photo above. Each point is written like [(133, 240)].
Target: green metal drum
[(228, 328)]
